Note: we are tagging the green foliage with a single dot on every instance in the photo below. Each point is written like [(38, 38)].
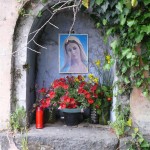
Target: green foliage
[(138, 141), (22, 11), (123, 122), (129, 22), (39, 14), (44, 1), (24, 140), (17, 119), (123, 125)]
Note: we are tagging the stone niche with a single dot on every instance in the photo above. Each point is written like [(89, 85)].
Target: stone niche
[(34, 68)]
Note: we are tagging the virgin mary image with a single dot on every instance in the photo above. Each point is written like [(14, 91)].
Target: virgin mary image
[(74, 57)]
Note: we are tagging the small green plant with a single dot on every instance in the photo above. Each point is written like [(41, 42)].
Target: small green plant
[(122, 123), (24, 140), (39, 14), (17, 119), (44, 1), (138, 142)]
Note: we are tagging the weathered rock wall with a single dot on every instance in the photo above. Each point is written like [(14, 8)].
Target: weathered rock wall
[(8, 18)]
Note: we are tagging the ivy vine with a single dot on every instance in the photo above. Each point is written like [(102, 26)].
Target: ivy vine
[(127, 21)]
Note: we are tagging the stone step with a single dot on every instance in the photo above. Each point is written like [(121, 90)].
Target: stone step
[(56, 137)]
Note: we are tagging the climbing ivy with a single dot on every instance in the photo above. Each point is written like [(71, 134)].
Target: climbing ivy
[(128, 22)]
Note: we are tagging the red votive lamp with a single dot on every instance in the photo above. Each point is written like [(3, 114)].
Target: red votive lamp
[(39, 117)]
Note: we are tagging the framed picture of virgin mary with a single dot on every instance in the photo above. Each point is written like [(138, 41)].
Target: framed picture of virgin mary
[(73, 53)]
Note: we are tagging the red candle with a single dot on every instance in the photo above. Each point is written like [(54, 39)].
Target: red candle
[(39, 118)]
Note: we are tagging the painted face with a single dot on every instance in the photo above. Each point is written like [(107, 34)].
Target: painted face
[(73, 50)]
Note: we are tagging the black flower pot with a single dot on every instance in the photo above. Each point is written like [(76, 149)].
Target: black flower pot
[(72, 117), (86, 113)]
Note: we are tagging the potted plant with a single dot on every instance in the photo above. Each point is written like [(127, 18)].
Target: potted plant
[(71, 95)]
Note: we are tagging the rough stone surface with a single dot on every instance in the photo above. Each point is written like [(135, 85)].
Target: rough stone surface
[(70, 138), (4, 143), (140, 111), (123, 143), (7, 26)]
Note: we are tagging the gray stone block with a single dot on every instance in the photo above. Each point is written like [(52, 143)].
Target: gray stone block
[(70, 138)]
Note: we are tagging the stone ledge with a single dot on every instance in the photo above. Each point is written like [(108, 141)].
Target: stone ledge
[(69, 138)]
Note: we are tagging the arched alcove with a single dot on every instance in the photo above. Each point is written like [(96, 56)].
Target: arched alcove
[(42, 65)]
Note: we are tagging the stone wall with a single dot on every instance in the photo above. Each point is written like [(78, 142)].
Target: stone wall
[(8, 18)]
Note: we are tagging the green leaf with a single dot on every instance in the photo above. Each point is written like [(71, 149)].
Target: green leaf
[(119, 6), (92, 2), (140, 140), (125, 51), (105, 39), (129, 55), (105, 6), (104, 22), (44, 1), (114, 44), (124, 69), (145, 92), (146, 2), (145, 144), (109, 31), (145, 28), (98, 2), (107, 67), (130, 23), (139, 38), (98, 25), (139, 82), (129, 122), (128, 4), (39, 14), (146, 67), (122, 20), (126, 80), (136, 130)]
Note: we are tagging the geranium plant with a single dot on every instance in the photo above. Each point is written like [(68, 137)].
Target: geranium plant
[(68, 92), (43, 99), (72, 92)]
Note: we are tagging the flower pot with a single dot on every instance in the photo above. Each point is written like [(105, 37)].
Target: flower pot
[(86, 113), (72, 117)]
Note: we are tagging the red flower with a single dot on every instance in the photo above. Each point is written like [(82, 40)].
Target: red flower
[(65, 86), (95, 95), (97, 106), (82, 84), (62, 105), (90, 101), (87, 95), (79, 77), (109, 98), (44, 103), (51, 94), (42, 90), (93, 88)]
